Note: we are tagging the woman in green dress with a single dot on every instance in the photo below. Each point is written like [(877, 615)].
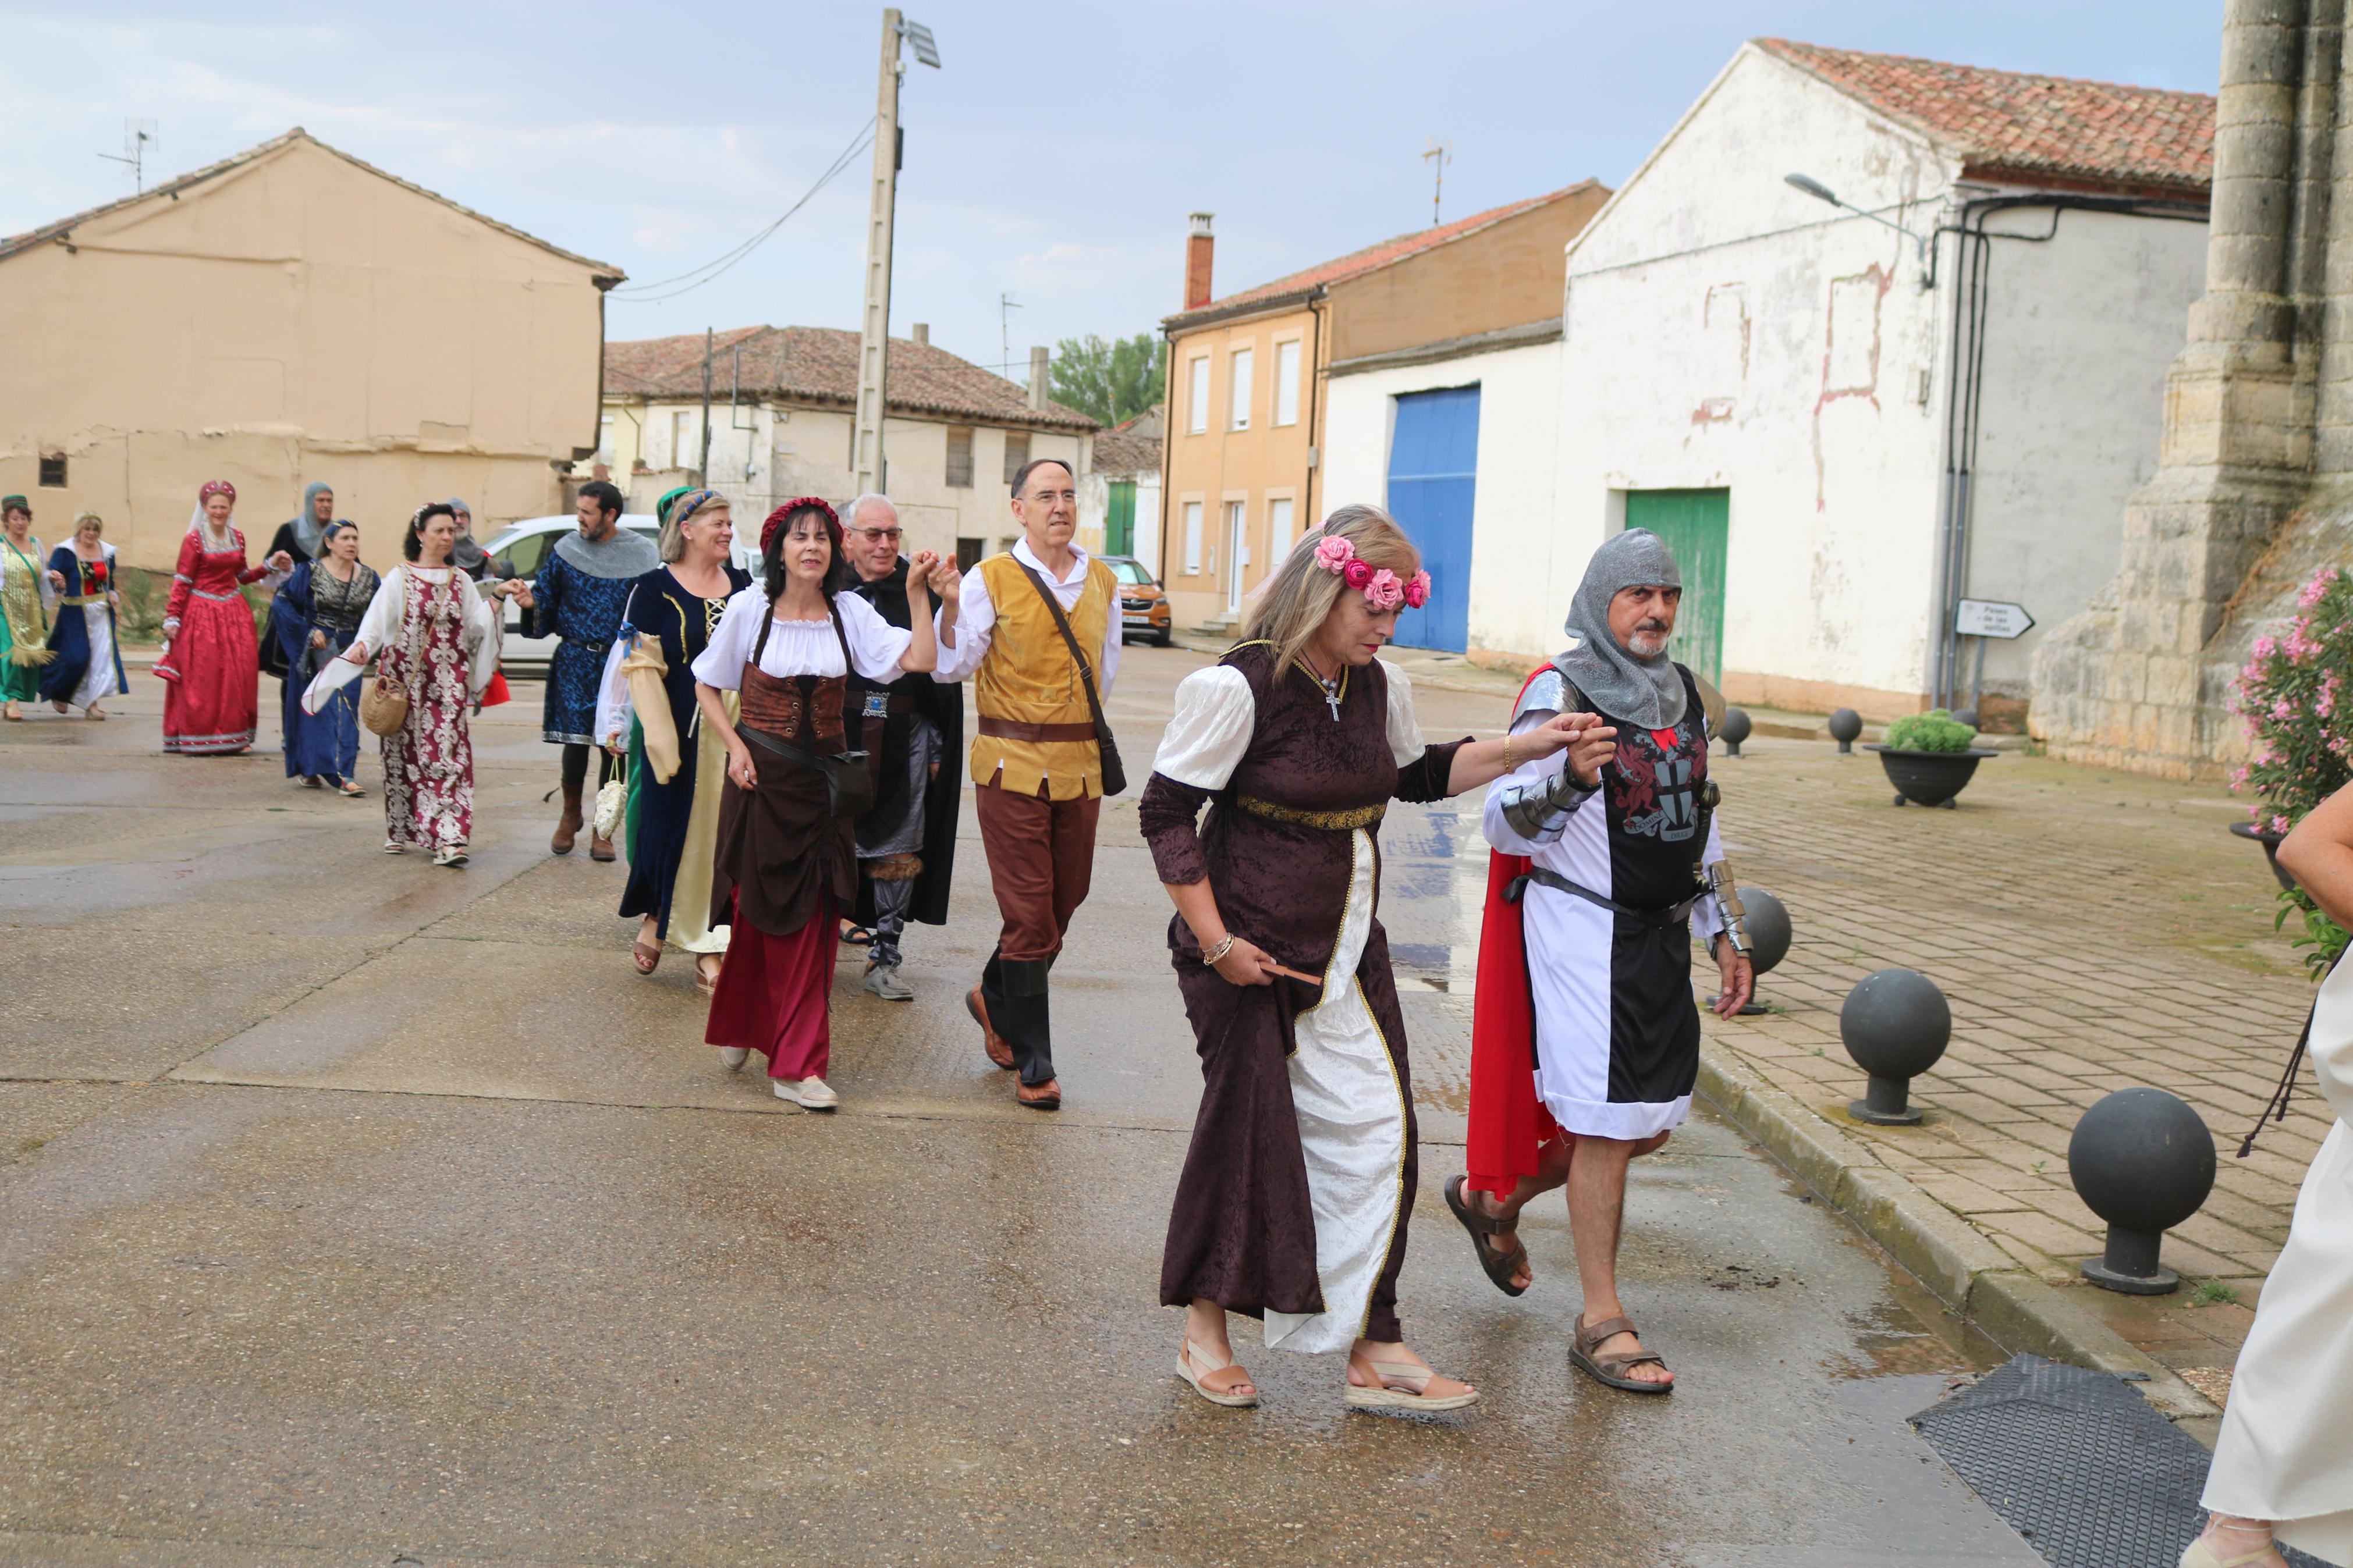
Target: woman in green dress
[(27, 595)]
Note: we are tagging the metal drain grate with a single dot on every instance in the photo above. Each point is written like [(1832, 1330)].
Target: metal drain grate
[(2075, 1461)]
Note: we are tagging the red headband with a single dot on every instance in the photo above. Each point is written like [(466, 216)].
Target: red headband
[(799, 503), (217, 488)]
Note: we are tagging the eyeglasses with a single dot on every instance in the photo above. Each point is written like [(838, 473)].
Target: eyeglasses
[(877, 535)]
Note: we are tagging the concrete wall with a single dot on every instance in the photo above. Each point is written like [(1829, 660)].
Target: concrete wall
[(1094, 513), (794, 451), (295, 319), (1519, 429), (1222, 465), (1721, 329)]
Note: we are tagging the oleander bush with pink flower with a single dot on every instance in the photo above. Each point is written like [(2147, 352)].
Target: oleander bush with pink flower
[(2296, 698)]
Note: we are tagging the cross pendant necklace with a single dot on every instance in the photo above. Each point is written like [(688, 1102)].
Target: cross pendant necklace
[(1331, 690)]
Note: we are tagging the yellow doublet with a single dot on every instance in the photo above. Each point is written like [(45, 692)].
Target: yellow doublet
[(1027, 677)]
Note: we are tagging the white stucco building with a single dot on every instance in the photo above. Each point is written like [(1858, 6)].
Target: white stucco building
[(1838, 450)]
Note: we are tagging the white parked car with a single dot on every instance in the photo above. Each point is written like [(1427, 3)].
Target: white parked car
[(523, 546)]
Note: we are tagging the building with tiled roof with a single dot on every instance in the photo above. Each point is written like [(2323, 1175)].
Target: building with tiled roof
[(1873, 343), (782, 402), (1250, 378), (289, 314)]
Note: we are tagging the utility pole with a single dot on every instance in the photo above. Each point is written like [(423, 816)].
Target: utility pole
[(702, 469), (1439, 156), (868, 467)]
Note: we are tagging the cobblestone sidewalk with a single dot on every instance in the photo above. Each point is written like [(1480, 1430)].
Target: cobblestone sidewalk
[(2092, 930)]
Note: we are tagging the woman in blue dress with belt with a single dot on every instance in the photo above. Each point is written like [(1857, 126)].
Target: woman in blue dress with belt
[(313, 619)]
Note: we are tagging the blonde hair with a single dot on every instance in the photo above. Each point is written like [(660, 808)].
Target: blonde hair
[(671, 546), (83, 519), (1292, 603)]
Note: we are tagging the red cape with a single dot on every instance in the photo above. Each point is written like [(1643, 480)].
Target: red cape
[(1508, 1123)]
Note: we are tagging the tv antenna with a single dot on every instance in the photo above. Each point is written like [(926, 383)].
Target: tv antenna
[(138, 135), (1438, 155), (1006, 305)]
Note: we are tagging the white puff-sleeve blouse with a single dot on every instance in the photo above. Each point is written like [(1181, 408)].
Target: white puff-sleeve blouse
[(1216, 715), (799, 648)]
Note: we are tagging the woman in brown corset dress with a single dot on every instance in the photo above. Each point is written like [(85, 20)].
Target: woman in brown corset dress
[(786, 866), (1300, 1180)]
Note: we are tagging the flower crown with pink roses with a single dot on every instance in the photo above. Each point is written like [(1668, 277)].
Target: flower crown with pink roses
[(1383, 589)]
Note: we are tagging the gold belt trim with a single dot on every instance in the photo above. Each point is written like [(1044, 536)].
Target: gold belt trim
[(1334, 821), (70, 600)]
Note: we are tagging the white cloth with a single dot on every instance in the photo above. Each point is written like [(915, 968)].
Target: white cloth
[(977, 617), (2285, 1452), (1216, 714), (614, 708), (1345, 1091), (1568, 946), (381, 626), (799, 648)]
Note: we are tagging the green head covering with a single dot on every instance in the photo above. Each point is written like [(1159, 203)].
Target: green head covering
[(19, 503), (661, 507)]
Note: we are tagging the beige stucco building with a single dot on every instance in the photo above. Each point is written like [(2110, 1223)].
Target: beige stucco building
[(782, 401), (286, 315)]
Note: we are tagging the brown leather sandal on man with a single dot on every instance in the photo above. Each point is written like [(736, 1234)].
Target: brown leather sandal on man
[(991, 1041), (1500, 1266), (1611, 1369)]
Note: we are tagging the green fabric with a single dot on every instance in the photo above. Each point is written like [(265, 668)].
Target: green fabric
[(661, 507), (636, 794)]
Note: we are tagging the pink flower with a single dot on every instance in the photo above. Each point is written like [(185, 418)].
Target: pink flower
[(1333, 552), (1417, 593), (2265, 646), (2318, 589), (1386, 591), (1356, 573)]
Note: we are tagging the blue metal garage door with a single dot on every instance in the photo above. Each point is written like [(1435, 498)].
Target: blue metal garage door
[(1433, 480)]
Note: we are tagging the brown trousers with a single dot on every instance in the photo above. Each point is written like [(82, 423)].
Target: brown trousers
[(1041, 857)]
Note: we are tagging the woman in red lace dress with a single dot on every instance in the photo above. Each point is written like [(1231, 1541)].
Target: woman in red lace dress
[(211, 660)]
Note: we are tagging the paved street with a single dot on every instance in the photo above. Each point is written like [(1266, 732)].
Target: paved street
[(353, 1208)]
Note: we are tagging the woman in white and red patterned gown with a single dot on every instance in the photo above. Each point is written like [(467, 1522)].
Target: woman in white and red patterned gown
[(436, 634), (211, 660)]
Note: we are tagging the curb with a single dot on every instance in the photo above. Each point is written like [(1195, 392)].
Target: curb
[(2012, 1307)]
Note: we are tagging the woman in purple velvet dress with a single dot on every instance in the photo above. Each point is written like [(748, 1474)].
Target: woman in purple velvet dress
[(1300, 1180)]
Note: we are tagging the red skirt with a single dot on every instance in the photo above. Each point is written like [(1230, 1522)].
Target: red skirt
[(213, 677), (774, 994)]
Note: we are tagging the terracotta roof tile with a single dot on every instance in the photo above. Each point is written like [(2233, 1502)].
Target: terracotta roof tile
[(2014, 126), (820, 364), (1358, 262), (1131, 448)]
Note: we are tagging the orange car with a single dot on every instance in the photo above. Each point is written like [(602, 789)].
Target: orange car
[(1143, 607)]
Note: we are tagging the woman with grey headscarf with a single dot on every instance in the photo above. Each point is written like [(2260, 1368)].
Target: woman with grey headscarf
[(302, 537)]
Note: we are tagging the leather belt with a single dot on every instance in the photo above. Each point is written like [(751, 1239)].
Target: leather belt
[(1037, 734), (604, 646), (1664, 919)]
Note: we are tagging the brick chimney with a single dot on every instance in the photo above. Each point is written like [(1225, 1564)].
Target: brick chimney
[(1198, 246), (923, 331)]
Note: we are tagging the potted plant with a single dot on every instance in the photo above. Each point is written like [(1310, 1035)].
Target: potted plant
[(2288, 696), (1929, 757)]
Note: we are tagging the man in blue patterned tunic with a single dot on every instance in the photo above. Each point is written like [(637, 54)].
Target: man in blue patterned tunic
[(578, 596)]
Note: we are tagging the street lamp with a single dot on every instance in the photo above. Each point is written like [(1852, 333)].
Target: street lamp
[(1822, 193)]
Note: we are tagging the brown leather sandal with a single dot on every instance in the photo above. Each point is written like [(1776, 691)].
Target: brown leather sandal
[(1500, 1266), (1612, 1369), (646, 955)]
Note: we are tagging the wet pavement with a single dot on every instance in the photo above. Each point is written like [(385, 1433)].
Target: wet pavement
[(352, 1210)]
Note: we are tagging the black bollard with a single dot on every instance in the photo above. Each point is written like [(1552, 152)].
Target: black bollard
[(1737, 729), (2144, 1161), (1846, 729), (1895, 1025), (1965, 716)]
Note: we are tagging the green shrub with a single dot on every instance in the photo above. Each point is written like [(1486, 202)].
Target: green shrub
[(1934, 730)]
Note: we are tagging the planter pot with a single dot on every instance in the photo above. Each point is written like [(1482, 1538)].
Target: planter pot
[(1930, 778), (2270, 842)]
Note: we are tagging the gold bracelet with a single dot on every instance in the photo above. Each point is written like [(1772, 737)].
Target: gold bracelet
[(1210, 958), (1507, 751)]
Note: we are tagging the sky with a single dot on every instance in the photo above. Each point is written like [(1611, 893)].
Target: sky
[(1052, 158)]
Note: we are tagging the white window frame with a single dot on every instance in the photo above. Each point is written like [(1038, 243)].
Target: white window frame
[(1286, 381), (681, 423), (1241, 368), (1282, 527), (1197, 396), (1193, 509)]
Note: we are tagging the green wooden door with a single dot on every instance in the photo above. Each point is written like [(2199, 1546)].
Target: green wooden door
[(1697, 526), (1119, 525)]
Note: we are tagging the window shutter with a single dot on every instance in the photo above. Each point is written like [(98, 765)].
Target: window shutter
[(1286, 382), (959, 472), (1197, 408), (1192, 539), (1239, 404), (1017, 452)]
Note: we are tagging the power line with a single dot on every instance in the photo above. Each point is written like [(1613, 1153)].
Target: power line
[(642, 293)]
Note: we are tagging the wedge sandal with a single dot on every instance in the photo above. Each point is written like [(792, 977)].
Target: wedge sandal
[(1500, 1266), (1193, 1352), (1612, 1369), (1385, 1396)]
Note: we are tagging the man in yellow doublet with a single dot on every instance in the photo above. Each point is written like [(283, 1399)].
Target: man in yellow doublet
[(1037, 769)]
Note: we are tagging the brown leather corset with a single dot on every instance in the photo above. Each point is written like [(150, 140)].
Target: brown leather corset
[(804, 710)]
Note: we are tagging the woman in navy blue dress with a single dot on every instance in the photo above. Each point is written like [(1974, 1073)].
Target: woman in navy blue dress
[(311, 620)]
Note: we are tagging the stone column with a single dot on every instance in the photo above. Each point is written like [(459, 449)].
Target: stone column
[(2130, 682)]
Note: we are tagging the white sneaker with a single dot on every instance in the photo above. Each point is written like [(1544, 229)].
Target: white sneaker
[(394, 847), (810, 1093), (735, 1056), (883, 979)]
